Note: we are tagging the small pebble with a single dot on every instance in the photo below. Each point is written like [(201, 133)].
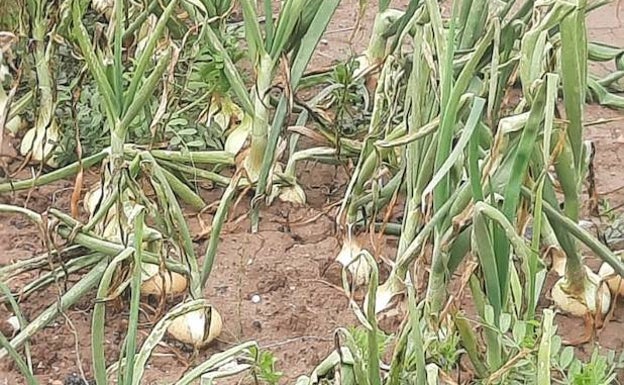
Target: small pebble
[(255, 298)]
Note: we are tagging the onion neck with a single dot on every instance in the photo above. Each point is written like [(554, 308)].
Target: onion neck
[(376, 51), (576, 275), (259, 131), (117, 142)]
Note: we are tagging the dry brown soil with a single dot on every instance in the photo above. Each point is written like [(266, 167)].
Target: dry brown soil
[(288, 264)]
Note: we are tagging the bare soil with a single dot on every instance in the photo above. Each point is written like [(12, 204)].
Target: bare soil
[(288, 263)]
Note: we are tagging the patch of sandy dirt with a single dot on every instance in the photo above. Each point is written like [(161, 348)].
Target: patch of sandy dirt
[(288, 264)]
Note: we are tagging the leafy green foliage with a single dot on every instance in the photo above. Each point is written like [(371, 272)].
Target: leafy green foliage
[(360, 336), (187, 135), (600, 369), (10, 17), (445, 350), (349, 99), (265, 368), (86, 116), (206, 67), (199, 77)]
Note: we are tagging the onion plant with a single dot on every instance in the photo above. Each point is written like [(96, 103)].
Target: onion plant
[(476, 178), (124, 251), (291, 39), (39, 142)]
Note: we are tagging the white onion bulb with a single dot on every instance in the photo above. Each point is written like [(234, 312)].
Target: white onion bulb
[(613, 279), (596, 296), (237, 138), (360, 270), (159, 283), (33, 143), (197, 328), (292, 194)]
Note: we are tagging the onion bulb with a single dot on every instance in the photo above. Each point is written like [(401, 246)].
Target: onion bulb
[(159, 283), (290, 191), (595, 297), (237, 138), (613, 279), (14, 323), (388, 291), (15, 123), (108, 227), (92, 198), (197, 328), (360, 270), (223, 111), (33, 143), (293, 194)]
